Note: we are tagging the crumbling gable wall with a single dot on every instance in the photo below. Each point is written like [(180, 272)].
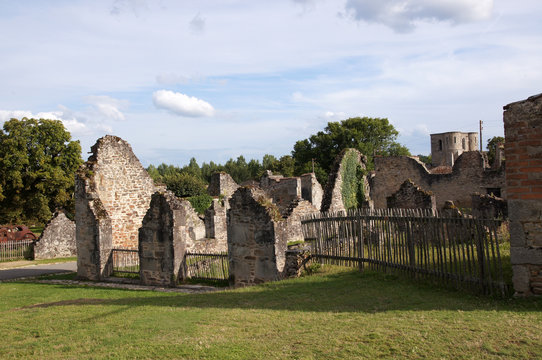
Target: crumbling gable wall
[(411, 196), (523, 151), (347, 164), (469, 175), (113, 193), (255, 253), (57, 239), (123, 186)]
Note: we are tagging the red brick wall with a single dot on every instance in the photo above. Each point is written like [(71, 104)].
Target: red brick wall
[(523, 154)]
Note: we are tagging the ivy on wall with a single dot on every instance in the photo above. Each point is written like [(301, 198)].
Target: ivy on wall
[(352, 173)]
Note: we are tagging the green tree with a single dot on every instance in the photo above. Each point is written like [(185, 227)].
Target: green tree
[(426, 159), (492, 147), (286, 165), (184, 184), (38, 161), (368, 135)]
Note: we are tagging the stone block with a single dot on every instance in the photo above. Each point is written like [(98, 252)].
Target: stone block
[(525, 255)]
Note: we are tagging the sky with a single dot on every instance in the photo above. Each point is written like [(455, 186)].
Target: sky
[(215, 79)]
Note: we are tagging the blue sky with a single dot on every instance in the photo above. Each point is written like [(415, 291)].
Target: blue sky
[(219, 79)]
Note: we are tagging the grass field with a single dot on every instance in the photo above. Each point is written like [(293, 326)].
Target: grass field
[(336, 314)]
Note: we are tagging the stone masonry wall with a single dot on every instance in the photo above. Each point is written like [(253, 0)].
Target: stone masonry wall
[(161, 243), (332, 200), (411, 196), (255, 253), (123, 186), (523, 152), (215, 220), (489, 207), (311, 190), (469, 175), (222, 184), (289, 229), (93, 232), (57, 239), (283, 190)]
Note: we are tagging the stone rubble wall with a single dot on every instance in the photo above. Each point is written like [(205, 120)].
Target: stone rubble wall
[(222, 184), (289, 229), (123, 186), (311, 190), (332, 200), (57, 239), (470, 174), (93, 233), (254, 252), (523, 152), (215, 220), (489, 207), (411, 196), (161, 243), (282, 190)]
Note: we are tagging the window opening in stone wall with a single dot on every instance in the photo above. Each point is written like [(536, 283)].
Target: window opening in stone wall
[(463, 143), (494, 191), (455, 140), (440, 145)]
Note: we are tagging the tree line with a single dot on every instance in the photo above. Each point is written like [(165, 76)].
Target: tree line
[(371, 136), (38, 161)]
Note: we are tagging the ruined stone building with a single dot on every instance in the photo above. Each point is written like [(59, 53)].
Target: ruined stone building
[(447, 147), (470, 174)]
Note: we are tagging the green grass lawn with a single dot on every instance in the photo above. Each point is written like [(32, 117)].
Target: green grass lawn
[(336, 314)]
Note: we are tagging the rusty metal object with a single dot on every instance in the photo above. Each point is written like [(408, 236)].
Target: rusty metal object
[(15, 233)]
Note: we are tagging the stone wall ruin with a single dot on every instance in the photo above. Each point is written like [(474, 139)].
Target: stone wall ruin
[(523, 151), (255, 253), (470, 174), (112, 195), (333, 200), (411, 196), (57, 239)]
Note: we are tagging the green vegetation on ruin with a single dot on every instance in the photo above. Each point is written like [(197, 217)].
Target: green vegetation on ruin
[(334, 314), (352, 173)]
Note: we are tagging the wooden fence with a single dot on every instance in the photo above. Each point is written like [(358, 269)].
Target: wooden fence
[(206, 266), (17, 250), (463, 252)]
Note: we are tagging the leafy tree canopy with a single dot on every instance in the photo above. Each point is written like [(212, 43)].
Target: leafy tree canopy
[(38, 161), (368, 135), (492, 147)]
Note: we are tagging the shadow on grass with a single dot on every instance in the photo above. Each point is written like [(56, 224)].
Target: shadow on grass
[(345, 291)]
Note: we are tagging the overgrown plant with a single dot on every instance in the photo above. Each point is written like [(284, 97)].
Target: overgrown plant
[(352, 173)]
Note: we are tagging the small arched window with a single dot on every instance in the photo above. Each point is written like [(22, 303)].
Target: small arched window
[(440, 145)]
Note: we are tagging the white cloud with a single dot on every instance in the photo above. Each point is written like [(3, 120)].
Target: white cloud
[(182, 104), (402, 15), (330, 115), (74, 126), (107, 107)]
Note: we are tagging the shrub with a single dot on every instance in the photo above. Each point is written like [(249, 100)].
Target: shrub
[(200, 203)]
